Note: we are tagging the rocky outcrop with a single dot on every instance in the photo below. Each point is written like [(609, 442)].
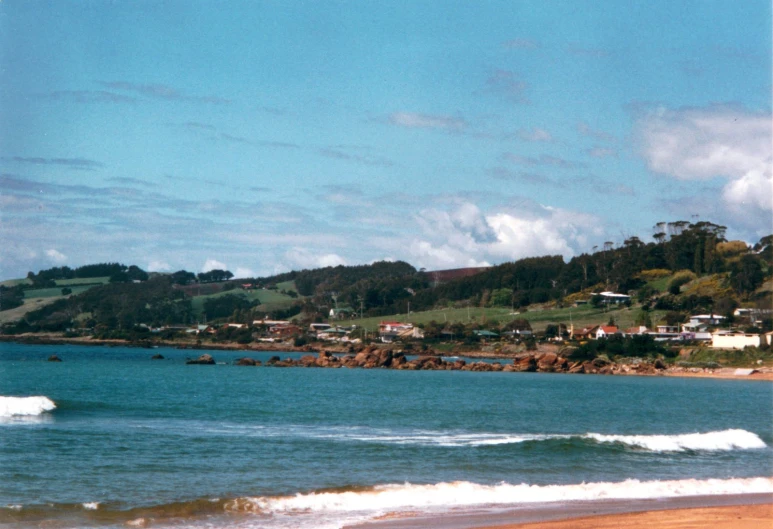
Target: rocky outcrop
[(54, 358), (157, 357), (248, 362), (374, 357), (204, 359)]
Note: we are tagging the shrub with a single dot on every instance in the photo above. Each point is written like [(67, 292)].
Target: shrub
[(680, 278)]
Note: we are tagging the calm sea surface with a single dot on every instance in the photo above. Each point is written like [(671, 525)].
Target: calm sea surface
[(164, 444)]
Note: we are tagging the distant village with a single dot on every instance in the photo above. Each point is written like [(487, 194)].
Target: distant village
[(707, 329)]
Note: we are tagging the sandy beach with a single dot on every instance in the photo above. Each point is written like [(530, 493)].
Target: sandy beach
[(726, 517)]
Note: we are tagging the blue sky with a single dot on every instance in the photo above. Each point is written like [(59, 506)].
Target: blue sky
[(270, 136)]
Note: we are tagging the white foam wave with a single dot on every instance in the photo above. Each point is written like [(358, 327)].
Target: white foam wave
[(91, 506), (724, 440), (399, 498), (25, 406)]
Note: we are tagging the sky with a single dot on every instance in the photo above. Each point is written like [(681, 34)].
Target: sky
[(268, 136)]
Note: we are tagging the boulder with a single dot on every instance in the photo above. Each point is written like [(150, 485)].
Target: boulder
[(659, 364), (601, 361), (588, 367), (245, 362), (385, 358), (54, 358), (308, 361), (157, 357), (576, 367), (398, 360), (204, 359), (546, 361), (525, 362)]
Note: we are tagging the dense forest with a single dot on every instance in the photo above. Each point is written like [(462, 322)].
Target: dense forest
[(705, 271)]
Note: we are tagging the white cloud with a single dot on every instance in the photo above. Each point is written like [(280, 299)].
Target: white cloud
[(299, 258), (158, 266), (716, 141), (466, 237), (212, 264), (242, 272), (56, 256), (426, 121)]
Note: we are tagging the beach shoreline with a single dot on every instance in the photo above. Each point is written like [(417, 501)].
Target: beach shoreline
[(747, 511), (726, 373)]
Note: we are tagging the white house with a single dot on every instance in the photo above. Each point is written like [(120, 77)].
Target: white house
[(606, 330), (611, 297), (736, 340), (708, 319)]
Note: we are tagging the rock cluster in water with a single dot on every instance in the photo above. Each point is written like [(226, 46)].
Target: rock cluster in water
[(373, 357)]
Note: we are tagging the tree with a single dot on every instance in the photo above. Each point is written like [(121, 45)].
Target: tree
[(183, 277), (746, 274), (502, 297)]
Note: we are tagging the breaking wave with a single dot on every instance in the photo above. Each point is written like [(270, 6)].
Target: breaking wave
[(390, 498), (336, 508), (25, 406), (725, 440)]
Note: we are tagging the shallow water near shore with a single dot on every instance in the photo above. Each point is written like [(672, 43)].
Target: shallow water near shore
[(160, 443)]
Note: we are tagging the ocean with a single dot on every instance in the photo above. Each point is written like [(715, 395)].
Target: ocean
[(110, 438)]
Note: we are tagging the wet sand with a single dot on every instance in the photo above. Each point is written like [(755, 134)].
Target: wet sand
[(746, 511), (729, 517)]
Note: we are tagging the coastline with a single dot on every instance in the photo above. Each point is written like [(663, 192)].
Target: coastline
[(726, 373), (746, 511), (726, 517)]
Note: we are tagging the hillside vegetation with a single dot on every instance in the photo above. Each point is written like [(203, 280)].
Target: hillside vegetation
[(686, 268)]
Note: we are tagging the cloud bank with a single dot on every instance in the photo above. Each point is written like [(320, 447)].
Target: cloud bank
[(730, 143)]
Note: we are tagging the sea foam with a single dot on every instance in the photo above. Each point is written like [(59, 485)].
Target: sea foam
[(395, 498), (723, 440), (25, 406)]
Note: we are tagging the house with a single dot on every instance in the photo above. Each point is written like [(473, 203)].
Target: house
[(605, 331), (611, 297), (486, 335), (283, 331), (641, 329), (339, 314), (708, 319), (269, 323), (318, 327), (332, 334), (585, 333), (390, 331), (737, 340), (517, 333), (667, 329)]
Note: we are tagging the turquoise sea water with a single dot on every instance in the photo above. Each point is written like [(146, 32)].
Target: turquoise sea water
[(160, 443)]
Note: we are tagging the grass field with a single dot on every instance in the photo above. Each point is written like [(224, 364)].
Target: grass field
[(661, 284), (539, 319), (54, 291), (82, 281), (18, 313), (287, 285), (15, 282), (268, 299)]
